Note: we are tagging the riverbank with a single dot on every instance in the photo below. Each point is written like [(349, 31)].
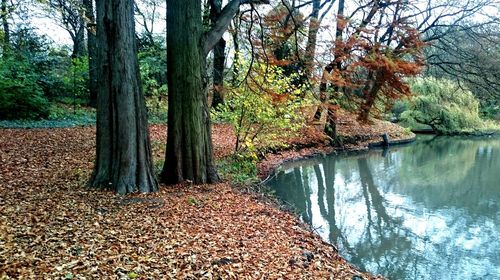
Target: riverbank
[(52, 227), (354, 137)]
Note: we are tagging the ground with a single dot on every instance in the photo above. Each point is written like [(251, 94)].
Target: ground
[(51, 226)]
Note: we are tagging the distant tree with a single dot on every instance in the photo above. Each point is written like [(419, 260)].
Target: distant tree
[(70, 16), (378, 43), (147, 15), (124, 162), (373, 54), (189, 153), (444, 106), (4, 15), (469, 55), (219, 56), (92, 50)]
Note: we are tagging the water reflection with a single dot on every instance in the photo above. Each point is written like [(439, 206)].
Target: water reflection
[(424, 211)]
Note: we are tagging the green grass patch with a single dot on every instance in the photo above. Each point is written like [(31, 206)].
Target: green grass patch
[(239, 169)]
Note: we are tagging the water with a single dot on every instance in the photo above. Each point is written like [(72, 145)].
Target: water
[(428, 210)]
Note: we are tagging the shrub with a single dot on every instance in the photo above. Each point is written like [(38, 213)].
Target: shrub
[(20, 95), (76, 78), (264, 109), (444, 106), (152, 64), (240, 169), (399, 107)]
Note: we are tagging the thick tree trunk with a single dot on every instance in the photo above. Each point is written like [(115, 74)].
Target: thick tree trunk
[(189, 140), (92, 51), (5, 24), (124, 163)]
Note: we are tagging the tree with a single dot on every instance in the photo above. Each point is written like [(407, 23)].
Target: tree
[(445, 107), (4, 15), (92, 50), (147, 14), (470, 55), (70, 14), (124, 162), (331, 126), (189, 142), (312, 36), (219, 56)]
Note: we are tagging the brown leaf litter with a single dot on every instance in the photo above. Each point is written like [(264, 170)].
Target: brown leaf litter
[(53, 227)]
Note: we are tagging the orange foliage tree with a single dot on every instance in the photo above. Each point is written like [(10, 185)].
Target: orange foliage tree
[(373, 54)]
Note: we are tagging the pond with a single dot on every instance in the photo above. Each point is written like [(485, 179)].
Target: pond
[(428, 210)]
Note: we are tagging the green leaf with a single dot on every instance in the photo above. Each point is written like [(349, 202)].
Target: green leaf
[(132, 275)]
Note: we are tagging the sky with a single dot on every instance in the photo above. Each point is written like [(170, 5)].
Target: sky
[(51, 28)]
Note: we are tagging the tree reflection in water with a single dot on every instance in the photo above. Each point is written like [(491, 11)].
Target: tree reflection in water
[(424, 211)]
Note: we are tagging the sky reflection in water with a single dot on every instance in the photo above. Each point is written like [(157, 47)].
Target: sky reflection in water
[(424, 211)]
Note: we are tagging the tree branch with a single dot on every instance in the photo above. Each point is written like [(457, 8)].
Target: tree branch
[(215, 33)]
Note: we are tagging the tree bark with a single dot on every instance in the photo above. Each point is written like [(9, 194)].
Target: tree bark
[(218, 73), (79, 41), (189, 140), (124, 162), (331, 126), (5, 24), (189, 154), (92, 51), (312, 37), (236, 56), (370, 91), (219, 57)]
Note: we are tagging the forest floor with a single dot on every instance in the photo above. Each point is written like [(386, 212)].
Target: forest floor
[(52, 227)]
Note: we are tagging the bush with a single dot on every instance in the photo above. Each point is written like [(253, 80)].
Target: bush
[(20, 95), (240, 169), (399, 107), (76, 79), (264, 109), (65, 79), (152, 65), (490, 110), (444, 106)]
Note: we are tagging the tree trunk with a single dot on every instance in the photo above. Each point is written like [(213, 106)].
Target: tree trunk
[(218, 73), (5, 24), (331, 126), (373, 85), (219, 57), (124, 162), (236, 56), (79, 41), (92, 51), (189, 140), (312, 37), (339, 30)]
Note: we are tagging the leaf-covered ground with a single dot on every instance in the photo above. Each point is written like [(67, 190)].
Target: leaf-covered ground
[(52, 227)]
